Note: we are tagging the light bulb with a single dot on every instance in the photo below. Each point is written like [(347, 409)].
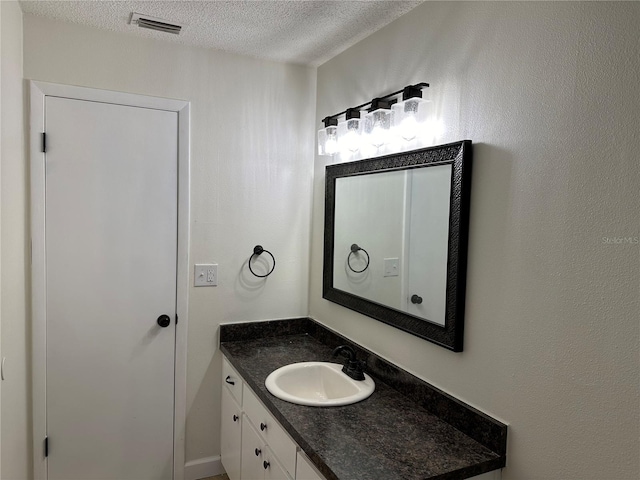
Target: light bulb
[(378, 136), (376, 126), (408, 128), (327, 141), (349, 137), (409, 118), (331, 145)]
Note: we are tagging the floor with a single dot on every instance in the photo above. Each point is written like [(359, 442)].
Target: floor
[(217, 477)]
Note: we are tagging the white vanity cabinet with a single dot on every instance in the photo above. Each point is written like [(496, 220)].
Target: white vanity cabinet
[(305, 469), (253, 444), (253, 452), (231, 421), (232, 381), (230, 435), (270, 431), (258, 460)]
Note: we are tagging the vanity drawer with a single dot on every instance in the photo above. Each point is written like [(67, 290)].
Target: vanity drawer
[(232, 380), (273, 434)]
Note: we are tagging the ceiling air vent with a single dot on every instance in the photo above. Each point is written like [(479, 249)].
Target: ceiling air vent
[(152, 23)]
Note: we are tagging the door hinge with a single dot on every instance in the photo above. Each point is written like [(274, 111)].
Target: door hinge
[(46, 446), (44, 142), (176, 318)]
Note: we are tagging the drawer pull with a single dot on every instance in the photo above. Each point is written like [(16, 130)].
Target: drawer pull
[(263, 427), (258, 452), (265, 464), (229, 381), (235, 418)]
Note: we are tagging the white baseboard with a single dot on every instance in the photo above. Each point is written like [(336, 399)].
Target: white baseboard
[(203, 468)]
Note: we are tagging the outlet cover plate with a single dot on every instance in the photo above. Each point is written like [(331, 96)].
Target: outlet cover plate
[(391, 267), (205, 275)]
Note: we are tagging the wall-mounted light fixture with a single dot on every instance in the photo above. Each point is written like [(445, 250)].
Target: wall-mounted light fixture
[(328, 137), (385, 122), (410, 115)]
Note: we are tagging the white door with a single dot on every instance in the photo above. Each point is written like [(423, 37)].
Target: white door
[(429, 191), (111, 240)]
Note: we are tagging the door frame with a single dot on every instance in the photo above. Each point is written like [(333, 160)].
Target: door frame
[(38, 93)]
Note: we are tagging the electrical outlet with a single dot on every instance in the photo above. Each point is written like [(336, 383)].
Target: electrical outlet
[(205, 275)]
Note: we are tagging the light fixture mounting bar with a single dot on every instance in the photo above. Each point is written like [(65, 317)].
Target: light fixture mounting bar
[(420, 86)]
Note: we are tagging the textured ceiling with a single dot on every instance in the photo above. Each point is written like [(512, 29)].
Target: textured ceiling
[(305, 32)]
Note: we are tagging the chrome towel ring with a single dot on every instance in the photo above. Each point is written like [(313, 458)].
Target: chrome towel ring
[(354, 250), (257, 251)]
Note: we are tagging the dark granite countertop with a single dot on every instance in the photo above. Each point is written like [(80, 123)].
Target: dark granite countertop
[(387, 436)]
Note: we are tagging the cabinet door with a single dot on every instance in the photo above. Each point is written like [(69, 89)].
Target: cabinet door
[(252, 452), (230, 435), (273, 470), (305, 470)]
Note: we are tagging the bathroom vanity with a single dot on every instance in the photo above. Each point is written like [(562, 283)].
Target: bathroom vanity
[(407, 429), (254, 444)]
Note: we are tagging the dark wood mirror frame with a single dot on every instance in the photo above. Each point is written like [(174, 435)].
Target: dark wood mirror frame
[(459, 156)]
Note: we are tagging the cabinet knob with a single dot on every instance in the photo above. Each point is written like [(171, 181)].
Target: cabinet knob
[(416, 299), (265, 464), (258, 452), (229, 381), (235, 418), (263, 427)]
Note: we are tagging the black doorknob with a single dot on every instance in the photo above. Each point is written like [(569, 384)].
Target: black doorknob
[(164, 321), (415, 299)]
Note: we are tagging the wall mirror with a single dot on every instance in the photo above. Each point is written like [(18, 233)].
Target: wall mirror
[(395, 241)]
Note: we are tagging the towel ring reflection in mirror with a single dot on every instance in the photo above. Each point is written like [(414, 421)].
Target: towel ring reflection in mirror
[(257, 251), (354, 250)]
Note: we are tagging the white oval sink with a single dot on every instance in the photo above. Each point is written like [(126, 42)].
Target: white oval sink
[(318, 384)]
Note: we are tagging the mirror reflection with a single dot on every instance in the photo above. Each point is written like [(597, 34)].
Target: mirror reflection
[(395, 239), (391, 239)]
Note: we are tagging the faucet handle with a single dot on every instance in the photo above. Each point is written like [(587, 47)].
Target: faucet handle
[(353, 367), (348, 351)]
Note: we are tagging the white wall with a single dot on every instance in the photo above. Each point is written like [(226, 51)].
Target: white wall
[(549, 94), (251, 158), (14, 293)]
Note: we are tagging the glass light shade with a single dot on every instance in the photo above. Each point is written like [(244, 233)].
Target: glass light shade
[(410, 117), (377, 126), (328, 141), (349, 135)]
